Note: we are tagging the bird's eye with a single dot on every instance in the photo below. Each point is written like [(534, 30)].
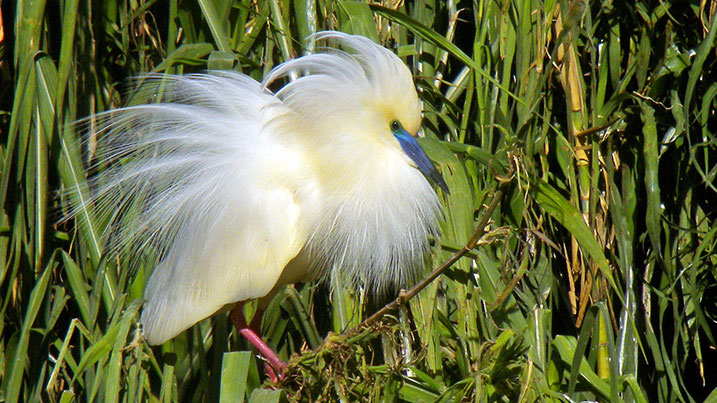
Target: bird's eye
[(395, 126)]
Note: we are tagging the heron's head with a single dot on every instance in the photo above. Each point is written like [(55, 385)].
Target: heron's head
[(364, 91), (395, 118), (391, 105)]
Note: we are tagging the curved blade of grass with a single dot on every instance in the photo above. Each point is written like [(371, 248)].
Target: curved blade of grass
[(216, 25), (186, 53), (559, 208), (17, 362), (652, 184), (113, 375), (112, 340), (696, 72), (358, 19), (566, 347)]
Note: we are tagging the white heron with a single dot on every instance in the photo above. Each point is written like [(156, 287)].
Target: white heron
[(238, 190)]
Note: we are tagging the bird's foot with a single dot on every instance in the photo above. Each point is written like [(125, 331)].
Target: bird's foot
[(273, 365)]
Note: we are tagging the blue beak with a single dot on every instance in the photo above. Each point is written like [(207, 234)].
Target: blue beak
[(410, 146)]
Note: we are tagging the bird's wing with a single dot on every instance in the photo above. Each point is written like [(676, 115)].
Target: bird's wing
[(205, 182), (236, 256)]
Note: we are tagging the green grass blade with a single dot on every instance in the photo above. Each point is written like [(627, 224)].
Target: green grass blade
[(267, 396), (569, 216), (18, 361), (216, 25), (235, 370)]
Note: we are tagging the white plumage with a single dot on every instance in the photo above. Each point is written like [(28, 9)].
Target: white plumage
[(236, 190)]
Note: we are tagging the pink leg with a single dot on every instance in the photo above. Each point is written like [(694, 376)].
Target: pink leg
[(273, 363)]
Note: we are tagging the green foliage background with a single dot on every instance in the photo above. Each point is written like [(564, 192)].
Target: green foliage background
[(595, 280)]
